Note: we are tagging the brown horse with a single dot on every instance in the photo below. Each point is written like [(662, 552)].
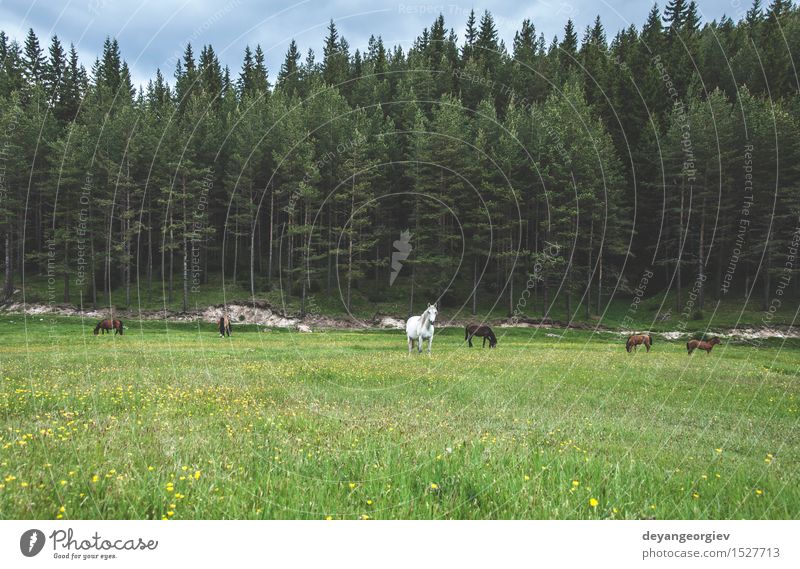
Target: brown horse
[(693, 345), (108, 325), (224, 325), (484, 331), (638, 339)]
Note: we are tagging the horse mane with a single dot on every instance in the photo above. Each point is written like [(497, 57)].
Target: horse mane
[(424, 319)]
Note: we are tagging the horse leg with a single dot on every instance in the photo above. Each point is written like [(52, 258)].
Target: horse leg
[(410, 345), (470, 340), (484, 342), (430, 344)]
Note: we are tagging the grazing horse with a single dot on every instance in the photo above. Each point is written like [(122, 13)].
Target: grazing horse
[(420, 328), (484, 331), (108, 325), (638, 339), (224, 326), (693, 345)]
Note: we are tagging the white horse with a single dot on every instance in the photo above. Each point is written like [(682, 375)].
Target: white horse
[(420, 328)]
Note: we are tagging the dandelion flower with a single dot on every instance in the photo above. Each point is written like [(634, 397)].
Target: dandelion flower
[(593, 502), (434, 486)]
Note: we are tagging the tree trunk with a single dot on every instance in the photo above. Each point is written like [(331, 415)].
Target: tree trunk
[(303, 274), (350, 243), (128, 243), (568, 300), (253, 262), (66, 267), (236, 241), (701, 265), (253, 234), (766, 278), (600, 282), (107, 267), (93, 272), (185, 251), (475, 286), (329, 284), (8, 281), (171, 259), (411, 296), (149, 255), (679, 255), (588, 302), (271, 232), (510, 283)]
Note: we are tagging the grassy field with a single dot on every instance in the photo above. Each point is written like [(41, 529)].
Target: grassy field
[(171, 422)]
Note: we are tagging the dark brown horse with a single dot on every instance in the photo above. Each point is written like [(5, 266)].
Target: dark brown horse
[(224, 325), (638, 339), (108, 325), (482, 331), (693, 345)]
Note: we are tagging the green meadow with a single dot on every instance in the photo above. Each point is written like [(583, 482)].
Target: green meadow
[(171, 422)]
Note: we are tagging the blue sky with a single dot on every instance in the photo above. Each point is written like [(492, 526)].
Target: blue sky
[(153, 33)]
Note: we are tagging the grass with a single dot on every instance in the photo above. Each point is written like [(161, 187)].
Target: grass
[(169, 421)]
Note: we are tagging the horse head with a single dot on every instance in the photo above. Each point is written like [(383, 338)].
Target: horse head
[(715, 341), (432, 312)]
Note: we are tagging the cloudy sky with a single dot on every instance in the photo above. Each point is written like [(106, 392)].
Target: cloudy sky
[(153, 33)]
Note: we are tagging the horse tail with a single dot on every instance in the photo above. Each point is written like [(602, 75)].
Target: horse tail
[(466, 333), (649, 337), (121, 327)]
